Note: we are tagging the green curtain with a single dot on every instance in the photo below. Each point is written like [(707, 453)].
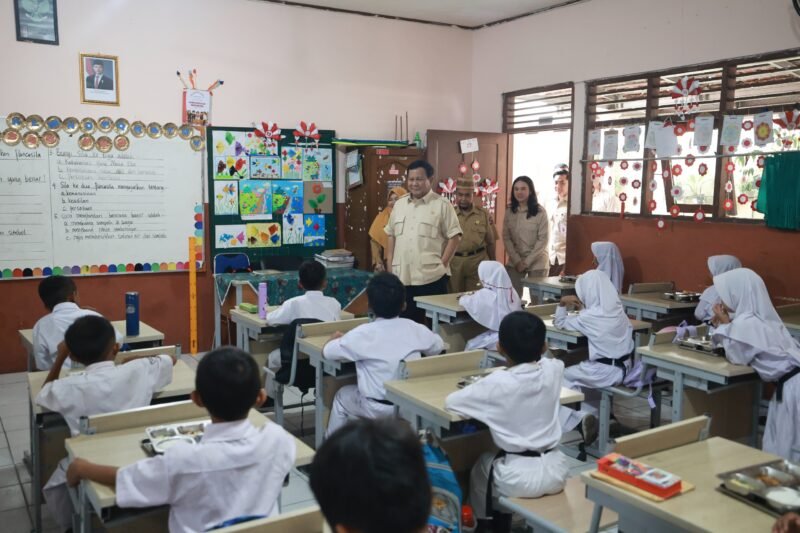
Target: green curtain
[(779, 194)]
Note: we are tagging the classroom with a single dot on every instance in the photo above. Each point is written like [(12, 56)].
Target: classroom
[(473, 265)]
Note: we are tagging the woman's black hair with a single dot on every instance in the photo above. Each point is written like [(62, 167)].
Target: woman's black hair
[(533, 202)]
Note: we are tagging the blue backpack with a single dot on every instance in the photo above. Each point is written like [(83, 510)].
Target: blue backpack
[(445, 514)]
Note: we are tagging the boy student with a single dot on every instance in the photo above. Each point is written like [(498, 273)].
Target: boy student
[(60, 296), (370, 477), (103, 388), (377, 348), (529, 464), (235, 470)]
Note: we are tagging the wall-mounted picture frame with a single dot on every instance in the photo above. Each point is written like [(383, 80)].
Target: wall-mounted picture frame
[(99, 78), (36, 21)]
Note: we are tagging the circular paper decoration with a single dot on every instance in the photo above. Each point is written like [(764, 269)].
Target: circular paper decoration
[(760, 161), (623, 181), (661, 224), (610, 163), (15, 121), (753, 205), (690, 125), (105, 124), (787, 143), (154, 130), (610, 180), (637, 166), (654, 166), (747, 125), (30, 139), (729, 186), (676, 192), (122, 126), (689, 160), (702, 169), (198, 143), (34, 123), (71, 125), (731, 149), (462, 168), (665, 173), (728, 204), (680, 129), (11, 137), (699, 216), (476, 165), (623, 165), (703, 149), (746, 143), (103, 144), (170, 130), (742, 198), (53, 123), (122, 143), (636, 184), (680, 149), (623, 197), (600, 172), (186, 131), (653, 185), (50, 138), (88, 125), (86, 142), (651, 205), (730, 167), (595, 165), (758, 183), (677, 170), (138, 129), (674, 211)]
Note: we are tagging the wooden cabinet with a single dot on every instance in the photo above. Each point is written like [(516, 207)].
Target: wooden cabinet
[(382, 169)]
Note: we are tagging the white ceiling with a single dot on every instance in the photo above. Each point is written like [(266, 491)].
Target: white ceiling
[(469, 13)]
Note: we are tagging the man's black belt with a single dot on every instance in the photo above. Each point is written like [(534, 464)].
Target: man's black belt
[(473, 252)]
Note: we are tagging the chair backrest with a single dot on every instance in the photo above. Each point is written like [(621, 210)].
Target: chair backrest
[(151, 416), (786, 310), (544, 310), (664, 437), (288, 373), (231, 262), (442, 364), (661, 286), (329, 328), (173, 350), (307, 520)]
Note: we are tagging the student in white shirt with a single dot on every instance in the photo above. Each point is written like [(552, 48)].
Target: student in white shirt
[(370, 477), (102, 388), (609, 260), (608, 330), (235, 470), (312, 304), (752, 333), (490, 305), (60, 296), (377, 348), (717, 264), (558, 211), (520, 405)]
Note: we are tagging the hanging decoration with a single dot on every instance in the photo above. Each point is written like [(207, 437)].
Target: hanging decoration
[(702, 169), (636, 184), (747, 125), (271, 134), (760, 161), (763, 128), (686, 95), (742, 199), (637, 166), (623, 165), (661, 224), (462, 168), (758, 183), (448, 190), (623, 181), (476, 166), (729, 186), (622, 198), (728, 204), (699, 216), (488, 193), (651, 205), (689, 160), (309, 132), (676, 192), (665, 173), (674, 211), (789, 120), (680, 129), (653, 185), (730, 166), (677, 170), (747, 143), (753, 205)]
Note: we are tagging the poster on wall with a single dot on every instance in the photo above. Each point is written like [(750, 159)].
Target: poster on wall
[(594, 142), (197, 107), (631, 136), (99, 75), (36, 21)]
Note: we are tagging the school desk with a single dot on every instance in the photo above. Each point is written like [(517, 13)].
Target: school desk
[(548, 287), (48, 429), (306, 520), (311, 340), (720, 381), (442, 308), (790, 314), (702, 509), (250, 326), (119, 444), (652, 306)]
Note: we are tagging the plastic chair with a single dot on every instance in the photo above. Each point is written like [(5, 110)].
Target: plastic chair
[(231, 262)]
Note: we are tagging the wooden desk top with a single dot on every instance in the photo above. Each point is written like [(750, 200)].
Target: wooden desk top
[(429, 392), (692, 359), (146, 334), (544, 312), (252, 319), (703, 509), (549, 281), (123, 447), (447, 302), (655, 299), (182, 384), (312, 346)]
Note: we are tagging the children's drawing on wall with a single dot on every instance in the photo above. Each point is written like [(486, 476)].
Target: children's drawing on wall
[(263, 235), (230, 143), (318, 197), (231, 236), (314, 230), (292, 229), (226, 197), (265, 167), (255, 200), (287, 197), (292, 163), (317, 164), (231, 167)]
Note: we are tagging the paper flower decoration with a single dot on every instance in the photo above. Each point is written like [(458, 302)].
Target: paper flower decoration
[(654, 166), (729, 186), (661, 224), (674, 211), (448, 187), (788, 120), (623, 165), (676, 192), (680, 149), (699, 216), (680, 129), (689, 160), (760, 161), (623, 181), (636, 184), (677, 170), (610, 163), (665, 173), (703, 149), (307, 131), (747, 125), (623, 197), (270, 132), (753, 205), (651, 205), (462, 168), (690, 125), (685, 94), (702, 169), (731, 149), (758, 183), (787, 143), (653, 185), (476, 165), (728, 204), (764, 131), (730, 167), (594, 165), (746, 143), (637, 166), (742, 199)]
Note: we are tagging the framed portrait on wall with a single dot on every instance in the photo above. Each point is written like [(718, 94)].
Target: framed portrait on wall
[(99, 78), (36, 21)]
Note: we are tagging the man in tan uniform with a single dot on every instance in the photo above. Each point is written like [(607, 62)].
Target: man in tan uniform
[(477, 239), (423, 235)]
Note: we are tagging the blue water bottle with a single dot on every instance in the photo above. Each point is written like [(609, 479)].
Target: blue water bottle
[(131, 314)]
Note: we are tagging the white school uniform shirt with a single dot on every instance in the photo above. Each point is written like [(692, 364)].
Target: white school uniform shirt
[(378, 347), (105, 387), (520, 406), (557, 250), (235, 470), (490, 305), (609, 260), (49, 331), (717, 264), (312, 304)]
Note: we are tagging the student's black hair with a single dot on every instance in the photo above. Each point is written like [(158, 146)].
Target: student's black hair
[(90, 339), (54, 290), (312, 275), (227, 381), (370, 476), (420, 163), (386, 295), (522, 336), (533, 202)]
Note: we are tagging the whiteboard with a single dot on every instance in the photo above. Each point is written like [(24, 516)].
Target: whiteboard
[(65, 210)]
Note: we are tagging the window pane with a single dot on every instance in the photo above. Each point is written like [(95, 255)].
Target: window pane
[(610, 180), (536, 155)]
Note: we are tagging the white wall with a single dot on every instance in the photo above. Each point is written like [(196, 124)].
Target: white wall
[(282, 64)]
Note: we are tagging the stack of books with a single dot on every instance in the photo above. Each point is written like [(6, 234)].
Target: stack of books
[(338, 258)]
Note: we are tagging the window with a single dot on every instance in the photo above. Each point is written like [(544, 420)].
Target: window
[(720, 182), (540, 123)]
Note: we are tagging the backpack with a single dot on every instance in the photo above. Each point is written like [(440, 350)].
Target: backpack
[(304, 373), (445, 514)]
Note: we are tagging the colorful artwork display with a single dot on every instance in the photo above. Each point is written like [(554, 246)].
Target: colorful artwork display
[(231, 143), (313, 230), (231, 236), (263, 235), (292, 163), (265, 167), (287, 197), (255, 200), (318, 197), (226, 197), (231, 167), (317, 164), (292, 229)]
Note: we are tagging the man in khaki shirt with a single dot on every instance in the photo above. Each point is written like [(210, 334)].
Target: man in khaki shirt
[(477, 239), (423, 235)]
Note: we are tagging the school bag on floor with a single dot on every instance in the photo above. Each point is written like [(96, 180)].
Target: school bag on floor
[(445, 514)]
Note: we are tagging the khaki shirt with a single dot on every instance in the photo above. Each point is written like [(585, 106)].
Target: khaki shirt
[(421, 229), (525, 238), (477, 230)]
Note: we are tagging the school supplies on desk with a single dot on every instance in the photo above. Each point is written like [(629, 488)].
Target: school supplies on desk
[(161, 438), (702, 344), (248, 307), (639, 475), (682, 296), (774, 488), (131, 314)]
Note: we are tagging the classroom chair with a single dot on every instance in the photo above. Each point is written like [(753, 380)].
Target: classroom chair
[(308, 520), (231, 262), (604, 416)]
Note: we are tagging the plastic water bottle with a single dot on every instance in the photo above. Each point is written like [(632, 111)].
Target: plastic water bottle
[(262, 301), (468, 521), (131, 314)]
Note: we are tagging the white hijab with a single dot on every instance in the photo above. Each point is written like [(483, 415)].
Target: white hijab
[(490, 305), (717, 264), (755, 321), (603, 319), (609, 260)]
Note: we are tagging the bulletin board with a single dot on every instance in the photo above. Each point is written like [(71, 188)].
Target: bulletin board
[(269, 197)]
